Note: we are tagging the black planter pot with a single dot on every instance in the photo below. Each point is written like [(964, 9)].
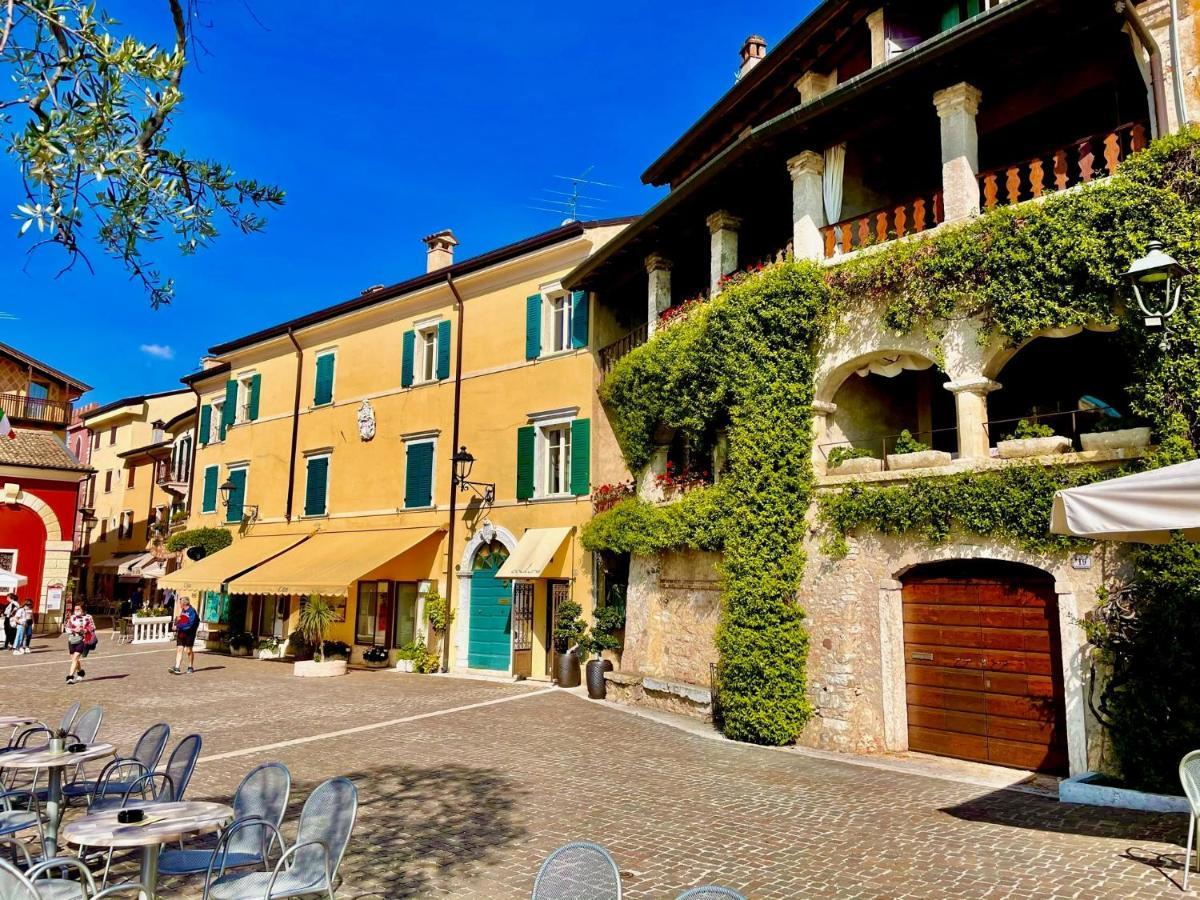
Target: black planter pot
[(566, 669), (597, 688)]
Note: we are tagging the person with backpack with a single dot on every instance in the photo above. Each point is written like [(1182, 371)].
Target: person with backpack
[(10, 623), (187, 623), (24, 620), (81, 640)]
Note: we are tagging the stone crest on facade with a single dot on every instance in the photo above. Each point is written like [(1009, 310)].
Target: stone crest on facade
[(366, 421)]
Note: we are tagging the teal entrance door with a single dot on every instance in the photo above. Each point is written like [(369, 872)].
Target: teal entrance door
[(490, 639)]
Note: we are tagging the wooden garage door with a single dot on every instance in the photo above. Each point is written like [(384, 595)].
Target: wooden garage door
[(982, 668)]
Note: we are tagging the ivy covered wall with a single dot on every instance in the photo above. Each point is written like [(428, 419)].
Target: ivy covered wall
[(745, 362)]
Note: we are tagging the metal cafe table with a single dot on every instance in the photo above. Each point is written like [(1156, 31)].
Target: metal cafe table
[(16, 722), (53, 761), (163, 823)]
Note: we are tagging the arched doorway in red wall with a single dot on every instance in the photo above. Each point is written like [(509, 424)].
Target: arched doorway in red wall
[(23, 535)]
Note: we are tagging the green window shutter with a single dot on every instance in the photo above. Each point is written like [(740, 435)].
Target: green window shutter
[(533, 326), (951, 16), (418, 476), (579, 319), (205, 424), (237, 497), (229, 410), (526, 441), (324, 389), (252, 403), (581, 456), (443, 344), (316, 485), (208, 503), (406, 362)]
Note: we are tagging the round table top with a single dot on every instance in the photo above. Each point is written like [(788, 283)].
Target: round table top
[(45, 758), (14, 721), (164, 822)]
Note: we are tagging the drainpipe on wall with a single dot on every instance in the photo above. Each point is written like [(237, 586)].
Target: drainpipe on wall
[(1181, 111), (458, 302), (291, 487), (1157, 84)]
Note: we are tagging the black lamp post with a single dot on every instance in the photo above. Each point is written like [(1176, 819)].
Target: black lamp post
[(463, 463), (1157, 282), (248, 510)]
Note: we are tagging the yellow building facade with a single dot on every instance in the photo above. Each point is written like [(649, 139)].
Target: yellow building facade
[(128, 437), (325, 445)]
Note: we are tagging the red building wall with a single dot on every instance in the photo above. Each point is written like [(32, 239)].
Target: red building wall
[(22, 529)]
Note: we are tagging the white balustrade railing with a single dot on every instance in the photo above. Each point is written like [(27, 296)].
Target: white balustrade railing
[(151, 629)]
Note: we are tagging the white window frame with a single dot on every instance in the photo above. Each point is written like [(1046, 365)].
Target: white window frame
[(16, 554), (317, 454), (544, 423), (125, 531), (426, 357), (243, 397), (217, 405), (216, 496), (551, 319), (563, 467)]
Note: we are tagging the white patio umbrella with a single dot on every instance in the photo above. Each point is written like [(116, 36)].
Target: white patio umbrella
[(1143, 508), (10, 581)]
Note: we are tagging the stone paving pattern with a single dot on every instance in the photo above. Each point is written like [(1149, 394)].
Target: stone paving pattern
[(469, 803)]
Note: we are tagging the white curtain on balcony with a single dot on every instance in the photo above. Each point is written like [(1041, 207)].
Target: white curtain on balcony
[(835, 168)]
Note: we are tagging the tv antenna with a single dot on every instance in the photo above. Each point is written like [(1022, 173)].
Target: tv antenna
[(574, 204)]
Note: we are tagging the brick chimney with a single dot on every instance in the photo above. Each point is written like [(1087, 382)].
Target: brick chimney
[(441, 250), (753, 52)]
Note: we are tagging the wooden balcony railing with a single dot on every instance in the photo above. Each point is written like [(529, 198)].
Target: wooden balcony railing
[(610, 355), (21, 408), (1081, 161), (884, 224)]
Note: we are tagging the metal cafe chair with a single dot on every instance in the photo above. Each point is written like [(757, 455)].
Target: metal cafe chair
[(580, 870), (1189, 775)]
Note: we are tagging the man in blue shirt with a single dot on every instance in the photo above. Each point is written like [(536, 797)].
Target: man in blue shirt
[(186, 625)]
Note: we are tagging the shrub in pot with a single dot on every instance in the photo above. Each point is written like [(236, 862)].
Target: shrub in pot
[(270, 648), (298, 647), (241, 644), (1032, 439), (1115, 433), (909, 453), (376, 657), (851, 461), (569, 632), (607, 621), (335, 650)]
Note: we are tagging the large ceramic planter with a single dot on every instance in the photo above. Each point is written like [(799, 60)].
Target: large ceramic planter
[(267, 653), (239, 651), (310, 668), (1042, 446), (404, 665), (1121, 439), (925, 459), (595, 677), (566, 669), (863, 465)]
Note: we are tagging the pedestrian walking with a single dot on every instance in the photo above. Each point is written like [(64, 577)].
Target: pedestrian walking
[(10, 623), (81, 640), (187, 623), (24, 620)]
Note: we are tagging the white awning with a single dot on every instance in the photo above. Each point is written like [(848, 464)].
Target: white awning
[(534, 553), (1143, 508), (124, 564), (10, 581)]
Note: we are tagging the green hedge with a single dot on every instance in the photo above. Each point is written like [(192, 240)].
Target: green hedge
[(211, 539)]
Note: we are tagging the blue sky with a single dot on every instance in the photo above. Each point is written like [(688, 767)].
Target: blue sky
[(384, 122)]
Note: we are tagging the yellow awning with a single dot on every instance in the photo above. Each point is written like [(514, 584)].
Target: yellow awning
[(210, 573), (534, 552), (330, 562)]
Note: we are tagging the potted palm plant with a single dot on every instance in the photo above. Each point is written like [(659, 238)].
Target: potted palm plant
[(316, 615), (570, 632)]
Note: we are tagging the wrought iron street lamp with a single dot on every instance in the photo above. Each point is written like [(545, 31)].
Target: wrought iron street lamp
[(1157, 282), (464, 461), (249, 511)]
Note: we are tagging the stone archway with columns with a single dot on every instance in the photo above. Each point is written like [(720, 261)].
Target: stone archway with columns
[(483, 536), (56, 565)]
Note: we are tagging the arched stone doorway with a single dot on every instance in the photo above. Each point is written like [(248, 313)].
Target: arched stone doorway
[(484, 638), (983, 671), (23, 537)]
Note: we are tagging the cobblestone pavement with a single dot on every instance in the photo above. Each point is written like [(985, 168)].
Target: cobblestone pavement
[(468, 794)]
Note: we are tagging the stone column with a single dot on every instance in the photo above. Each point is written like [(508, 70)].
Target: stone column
[(956, 107), (723, 226), (878, 38), (970, 401), (823, 411), (648, 488), (808, 205), (659, 293)]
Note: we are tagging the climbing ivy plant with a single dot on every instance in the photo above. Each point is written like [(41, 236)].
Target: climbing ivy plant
[(745, 361)]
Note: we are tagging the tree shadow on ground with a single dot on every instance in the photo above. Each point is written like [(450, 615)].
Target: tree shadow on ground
[(1042, 813), (417, 826)]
